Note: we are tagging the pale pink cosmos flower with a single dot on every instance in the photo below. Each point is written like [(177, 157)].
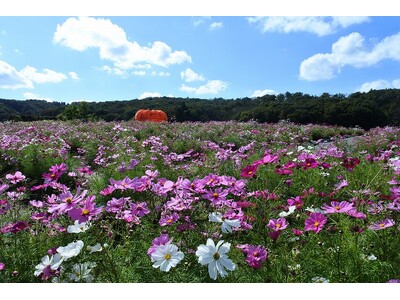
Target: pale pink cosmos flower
[(382, 224), (277, 224), (17, 177)]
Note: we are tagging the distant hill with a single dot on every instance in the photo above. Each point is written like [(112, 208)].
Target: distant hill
[(367, 110)]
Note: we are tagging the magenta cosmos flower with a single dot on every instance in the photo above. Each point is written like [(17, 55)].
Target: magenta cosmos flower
[(382, 224), (249, 171), (350, 163), (315, 222), (278, 224), (337, 207), (255, 255)]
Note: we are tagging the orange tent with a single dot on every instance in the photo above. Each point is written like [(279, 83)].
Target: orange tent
[(151, 115)]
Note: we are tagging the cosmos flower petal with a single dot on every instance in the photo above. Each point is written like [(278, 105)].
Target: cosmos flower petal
[(212, 270)]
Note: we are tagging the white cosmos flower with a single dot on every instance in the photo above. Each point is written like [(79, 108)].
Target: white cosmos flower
[(166, 257), (81, 272), (71, 250), (95, 248), (215, 257), (287, 213), (78, 227), (226, 223), (54, 262)]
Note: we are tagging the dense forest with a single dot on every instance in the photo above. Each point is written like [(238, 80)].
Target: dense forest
[(367, 110)]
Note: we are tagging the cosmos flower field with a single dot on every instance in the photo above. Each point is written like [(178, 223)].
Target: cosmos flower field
[(198, 202)]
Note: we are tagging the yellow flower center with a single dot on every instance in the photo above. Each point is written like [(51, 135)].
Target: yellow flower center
[(216, 255), (167, 256), (256, 254), (382, 225), (250, 173), (169, 221), (278, 225), (215, 195), (68, 200), (337, 207), (316, 224), (85, 212)]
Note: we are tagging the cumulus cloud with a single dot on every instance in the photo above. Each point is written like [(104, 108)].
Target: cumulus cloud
[(11, 78), (189, 76), (349, 50), (29, 95), (73, 75), (260, 93), (320, 26), (211, 87), (149, 94), (379, 85), (85, 32), (215, 25)]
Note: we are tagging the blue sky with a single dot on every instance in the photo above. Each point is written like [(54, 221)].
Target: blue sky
[(120, 58)]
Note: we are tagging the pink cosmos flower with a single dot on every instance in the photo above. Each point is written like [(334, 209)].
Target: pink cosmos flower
[(139, 209), (255, 255), (278, 224), (107, 191), (295, 202), (125, 183), (168, 219), (315, 222), (297, 232), (86, 210), (2, 266), (267, 159), (68, 202), (216, 196), (17, 177), (249, 171), (350, 163), (85, 170), (309, 163), (115, 205), (356, 214), (337, 207), (382, 224)]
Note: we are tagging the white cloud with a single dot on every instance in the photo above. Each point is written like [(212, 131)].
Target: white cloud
[(115, 71), (199, 20), (379, 85), (46, 76), (162, 74), (349, 50), (84, 32), (317, 25), (13, 79), (260, 93), (139, 73), (211, 87), (29, 95), (215, 25), (73, 75), (149, 94), (189, 76)]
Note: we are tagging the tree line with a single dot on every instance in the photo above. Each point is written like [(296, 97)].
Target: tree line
[(367, 110)]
